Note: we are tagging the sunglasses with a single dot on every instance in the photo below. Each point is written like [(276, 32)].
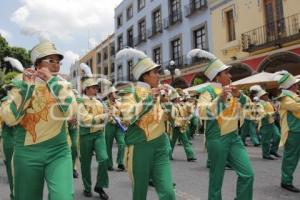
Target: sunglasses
[(52, 61)]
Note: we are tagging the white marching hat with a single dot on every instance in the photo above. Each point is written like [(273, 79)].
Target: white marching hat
[(43, 49)]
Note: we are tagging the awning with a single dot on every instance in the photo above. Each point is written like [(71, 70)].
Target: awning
[(265, 79)]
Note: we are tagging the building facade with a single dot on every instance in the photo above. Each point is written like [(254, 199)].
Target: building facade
[(257, 35), (165, 30), (100, 59)]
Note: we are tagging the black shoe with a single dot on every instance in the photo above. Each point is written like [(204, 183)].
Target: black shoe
[(121, 167), (87, 194), (101, 193), (110, 169), (276, 154), (290, 188), (75, 173), (191, 159), (257, 145), (151, 183), (268, 158)]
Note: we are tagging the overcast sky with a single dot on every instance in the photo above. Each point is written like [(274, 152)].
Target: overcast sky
[(73, 25)]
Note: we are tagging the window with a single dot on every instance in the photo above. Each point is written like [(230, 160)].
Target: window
[(157, 55), (199, 38), (175, 11), (129, 12), (130, 37), (98, 57), (98, 70), (105, 56), (156, 21), (105, 70), (273, 16), (176, 51), (120, 73), (129, 67), (112, 67), (119, 21), (142, 30), (197, 4), (230, 25), (112, 50), (141, 4), (120, 42)]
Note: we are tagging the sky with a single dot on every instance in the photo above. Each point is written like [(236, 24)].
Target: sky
[(75, 26)]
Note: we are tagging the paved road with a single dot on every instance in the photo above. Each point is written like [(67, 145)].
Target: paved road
[(192, 179)]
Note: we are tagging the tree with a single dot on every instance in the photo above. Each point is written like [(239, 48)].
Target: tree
[(16, 52), (4, 49)]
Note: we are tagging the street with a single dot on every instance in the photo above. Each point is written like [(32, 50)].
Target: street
[(191, 179)]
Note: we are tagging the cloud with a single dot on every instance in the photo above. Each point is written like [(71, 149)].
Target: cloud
[(69, 58), (93, 43), (5, 34), (63, 18)]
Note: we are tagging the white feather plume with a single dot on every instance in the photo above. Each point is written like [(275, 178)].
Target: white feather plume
[(130, 53), (277, 75), (200, 54), (255, 88), (87, 70), (15, 63), (104, 81)]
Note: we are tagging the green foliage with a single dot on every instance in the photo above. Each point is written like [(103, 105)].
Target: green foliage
[(198, 81), (9, 76), (16, 52), (22, 55), (2, 74)]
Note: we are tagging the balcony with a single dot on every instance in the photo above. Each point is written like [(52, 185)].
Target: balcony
[(182, 62), (175, 17), (154, 30), (195, 6), (274, 34)]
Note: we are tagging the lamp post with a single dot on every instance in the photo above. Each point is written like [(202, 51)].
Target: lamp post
[(171, 70)]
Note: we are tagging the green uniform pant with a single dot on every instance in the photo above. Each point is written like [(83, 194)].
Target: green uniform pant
[(291, 157), (249, 128), (193, 127), (188, 148), (269, 133), (229, 148), (48, 161), (112, 131), (8, 150), (74, 138), (89, 143), (151, 160)]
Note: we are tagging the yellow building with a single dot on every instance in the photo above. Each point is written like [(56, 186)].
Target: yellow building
[(101, 58), (257, 35)]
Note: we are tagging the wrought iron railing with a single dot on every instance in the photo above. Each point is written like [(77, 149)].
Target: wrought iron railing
[(272, 34), (194, 6), (154, 30)]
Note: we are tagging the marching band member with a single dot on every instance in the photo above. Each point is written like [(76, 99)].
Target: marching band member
[(268, 130), (180, 114), (147, 150), (289, 110), (92, 118), (39, 106), (219, 105), (249, 123), (112, 131)]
